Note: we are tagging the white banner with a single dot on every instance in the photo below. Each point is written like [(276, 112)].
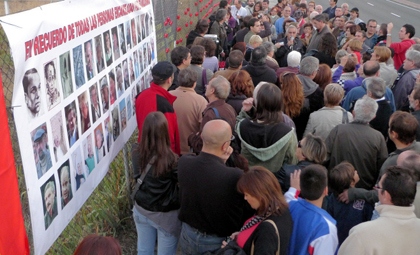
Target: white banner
[(78, 66)]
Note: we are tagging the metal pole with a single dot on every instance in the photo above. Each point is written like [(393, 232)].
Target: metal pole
[(6, 7), (127, 173)]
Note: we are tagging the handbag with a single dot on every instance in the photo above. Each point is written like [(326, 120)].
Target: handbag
[(232, 248), (135, 162), (345, 118)]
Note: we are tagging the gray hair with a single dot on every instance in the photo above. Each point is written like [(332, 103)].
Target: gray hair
[(187, 77), (376, 86), (220, 14), (309, 65), (293, 58), (313, 14), (415, 46), (414, 56), (221, 87), (339, 55), (50, 185), (269, 47), (365, 109), (289, 27), (64, 170)]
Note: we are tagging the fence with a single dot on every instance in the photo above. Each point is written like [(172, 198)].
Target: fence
[(108, 209)]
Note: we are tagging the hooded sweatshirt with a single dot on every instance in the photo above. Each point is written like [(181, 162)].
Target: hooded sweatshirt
[(267, 145)]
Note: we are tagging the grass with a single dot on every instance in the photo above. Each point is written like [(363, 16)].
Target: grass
[(106, 212)]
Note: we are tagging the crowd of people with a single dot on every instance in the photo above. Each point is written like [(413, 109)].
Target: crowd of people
[(294, 132)]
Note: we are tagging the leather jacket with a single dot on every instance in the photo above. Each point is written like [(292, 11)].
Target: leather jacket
[(159, 194)]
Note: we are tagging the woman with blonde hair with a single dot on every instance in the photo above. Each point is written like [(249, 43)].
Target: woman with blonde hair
[(292, 92), (269, 230), (387, 72), (321, 122)]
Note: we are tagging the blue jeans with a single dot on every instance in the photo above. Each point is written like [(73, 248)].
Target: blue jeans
[(147, 231), (193, 242)]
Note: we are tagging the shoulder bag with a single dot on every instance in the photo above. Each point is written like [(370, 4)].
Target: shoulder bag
[(278, 238)]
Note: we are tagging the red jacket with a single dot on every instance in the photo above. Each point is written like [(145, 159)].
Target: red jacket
[(154, 99), (399, 51)]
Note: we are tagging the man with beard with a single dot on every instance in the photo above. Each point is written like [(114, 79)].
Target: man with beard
[(250, 6), (44, 158), (50, 203), (32, 89)]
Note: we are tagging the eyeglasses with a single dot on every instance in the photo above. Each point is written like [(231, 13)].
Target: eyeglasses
[(286, 73), (230, 140), (377, 186)]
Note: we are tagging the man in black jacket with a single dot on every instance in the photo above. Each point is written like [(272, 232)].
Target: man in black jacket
[(211, 207)]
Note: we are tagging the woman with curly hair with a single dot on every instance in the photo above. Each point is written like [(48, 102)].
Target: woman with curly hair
[(241, 87), (327, 50), (292, 92)]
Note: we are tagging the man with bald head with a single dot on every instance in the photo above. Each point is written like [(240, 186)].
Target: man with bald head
[(211, 207), (370, 69)]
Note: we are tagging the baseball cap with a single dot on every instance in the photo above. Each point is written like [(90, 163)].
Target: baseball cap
[(163, 70), (355, 9), (38, 134)]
